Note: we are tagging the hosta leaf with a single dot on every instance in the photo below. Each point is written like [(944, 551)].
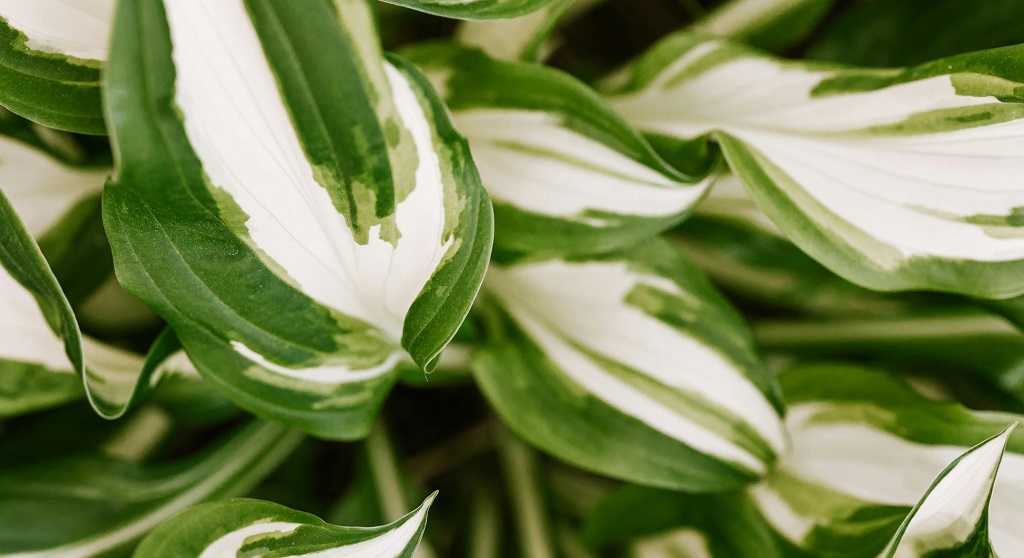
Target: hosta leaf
[(264, 529), (475, 9), (93, 505), (631, 365), (565, 173), (951, 338), (770, 25), (51, 52), (298, 208), (952, 518), (41, 346), (865, 451), (745, 254), (520, 38), (894, 179)]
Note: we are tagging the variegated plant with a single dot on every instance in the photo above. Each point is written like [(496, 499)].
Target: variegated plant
[(484, 257)]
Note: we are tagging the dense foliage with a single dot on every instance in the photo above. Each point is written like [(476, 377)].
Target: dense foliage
[(730, 279)]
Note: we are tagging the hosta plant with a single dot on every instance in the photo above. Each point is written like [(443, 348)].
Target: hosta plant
[(495, 278)]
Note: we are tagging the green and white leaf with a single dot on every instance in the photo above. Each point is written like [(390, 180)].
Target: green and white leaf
[(565, 173), (865, 450), (894, 179), (93, 505), (952, 518), (51, 53), (475, 9), (43, 356), (244, 527), (631, 365), (769, 24), (298, 208), (528, 37), (745, 254)]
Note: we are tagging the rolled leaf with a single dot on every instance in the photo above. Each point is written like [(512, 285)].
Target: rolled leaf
[(894, 179), (94, 505), (51, 52), (952, 518), (474, 9), (565, 173), (299, 209), (257, 528), (630, 365)]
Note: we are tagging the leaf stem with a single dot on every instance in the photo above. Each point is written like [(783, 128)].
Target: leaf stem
[(452, 452), (521, 468), (387, 478), (794, 334), (485, 525)]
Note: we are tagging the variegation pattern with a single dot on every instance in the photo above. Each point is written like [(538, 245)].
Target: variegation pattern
[(256, 528), (629, 364), (868, 448), (51, 199), (875, 470), (952, 517), (746, 254), (526, 37), (50, 57), (107, 504), (343, 223), (475, 9), (895, 179), (566, 174)]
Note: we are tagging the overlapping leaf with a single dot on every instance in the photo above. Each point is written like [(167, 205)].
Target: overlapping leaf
[(298, 208), (51, 52), (41, 346), (256, 528), (894, 179), (744, 253), (952, 517), (865, 452), (95, 505), (566, 174), (631, 365), (952, 339)]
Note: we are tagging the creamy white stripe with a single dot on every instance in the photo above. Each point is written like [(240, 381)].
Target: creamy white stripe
[(322, 374), (229, 545), (876, 466), (238, 125), (954, 507), (40, 188), (558, 303), (78, 28), (528, 159)]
